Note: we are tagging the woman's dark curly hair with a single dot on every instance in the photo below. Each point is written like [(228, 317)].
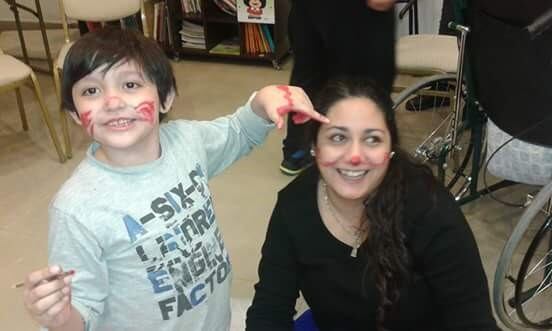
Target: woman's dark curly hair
[(387, 255)]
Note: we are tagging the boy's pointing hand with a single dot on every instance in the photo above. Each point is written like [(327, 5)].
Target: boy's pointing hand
[(275, 101)]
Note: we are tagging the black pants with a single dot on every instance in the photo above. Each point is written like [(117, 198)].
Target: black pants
[(331, 38)]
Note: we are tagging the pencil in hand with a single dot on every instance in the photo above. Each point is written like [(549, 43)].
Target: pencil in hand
[(60, 276)]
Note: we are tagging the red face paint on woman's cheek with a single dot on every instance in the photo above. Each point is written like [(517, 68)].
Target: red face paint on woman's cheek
[(327, 164), (86, 122), (147, 110), (380, 162)]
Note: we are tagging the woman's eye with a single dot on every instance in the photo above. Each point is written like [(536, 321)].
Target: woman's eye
[(373, 140), (90, 91), (337, 138)]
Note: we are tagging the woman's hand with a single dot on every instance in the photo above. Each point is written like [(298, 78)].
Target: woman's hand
[(275, 101), (380, 5), (47, 296)]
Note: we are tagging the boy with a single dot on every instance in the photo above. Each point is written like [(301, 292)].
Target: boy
[(135, 220)]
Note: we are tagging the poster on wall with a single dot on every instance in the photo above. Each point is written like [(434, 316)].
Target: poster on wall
[(256, 11)]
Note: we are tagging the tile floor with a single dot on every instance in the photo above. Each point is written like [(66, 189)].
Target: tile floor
[(30, 174)]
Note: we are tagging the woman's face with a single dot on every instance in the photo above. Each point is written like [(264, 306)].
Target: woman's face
[(352, 151)]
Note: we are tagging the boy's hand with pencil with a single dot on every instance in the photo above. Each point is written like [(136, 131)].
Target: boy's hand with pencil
[(47, 296), (274, 102)]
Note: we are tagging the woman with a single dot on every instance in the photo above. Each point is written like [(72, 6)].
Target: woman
[(367, 236)]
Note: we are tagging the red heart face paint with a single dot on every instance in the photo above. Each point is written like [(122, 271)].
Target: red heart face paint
[(86, 122), (147, 110)]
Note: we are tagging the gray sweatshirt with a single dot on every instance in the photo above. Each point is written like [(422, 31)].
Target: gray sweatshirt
[(144, 241)]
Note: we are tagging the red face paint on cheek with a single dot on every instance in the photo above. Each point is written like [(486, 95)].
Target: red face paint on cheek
[(147, 110), (381, 161), (327, 164), (86, 122)]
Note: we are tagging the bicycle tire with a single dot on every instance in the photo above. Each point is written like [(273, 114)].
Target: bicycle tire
[(505, 259)]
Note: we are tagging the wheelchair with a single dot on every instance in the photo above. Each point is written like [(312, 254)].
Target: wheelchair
[(477, 132)]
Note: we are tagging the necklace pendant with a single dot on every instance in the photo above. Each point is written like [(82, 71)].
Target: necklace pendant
[(354, 252)]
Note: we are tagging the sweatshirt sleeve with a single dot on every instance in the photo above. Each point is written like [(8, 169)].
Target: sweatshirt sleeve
[(74, 247), (452, 267), (277, 291), (228, 138)]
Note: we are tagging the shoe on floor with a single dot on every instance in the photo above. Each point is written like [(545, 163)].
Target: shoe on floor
[(296, 163)]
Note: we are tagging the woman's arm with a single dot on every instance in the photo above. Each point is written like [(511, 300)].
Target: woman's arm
[(452, 267), (277, 290)]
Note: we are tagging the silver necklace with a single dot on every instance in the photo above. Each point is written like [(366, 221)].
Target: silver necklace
[(357, 233)]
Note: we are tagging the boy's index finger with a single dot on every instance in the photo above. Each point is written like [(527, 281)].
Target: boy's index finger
[(321, 118), (35, 278)]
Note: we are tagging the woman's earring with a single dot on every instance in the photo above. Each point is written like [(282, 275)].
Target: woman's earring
[(312, 152), (391, 154)]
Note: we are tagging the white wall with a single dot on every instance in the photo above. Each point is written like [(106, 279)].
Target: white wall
[(429, 14), (50, 11)]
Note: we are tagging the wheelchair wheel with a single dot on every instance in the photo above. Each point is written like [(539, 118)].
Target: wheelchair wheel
[(426, 122), (522, 291)]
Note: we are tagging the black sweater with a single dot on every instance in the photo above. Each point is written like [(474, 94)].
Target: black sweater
[(448, 290)]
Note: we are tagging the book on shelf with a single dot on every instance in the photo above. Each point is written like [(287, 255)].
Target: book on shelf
[(162, 24), (227, 47), (227, 6), (192, 35), (191, 7), (258, 39)]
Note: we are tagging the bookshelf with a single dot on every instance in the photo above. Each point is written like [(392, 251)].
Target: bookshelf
[(211, 32)]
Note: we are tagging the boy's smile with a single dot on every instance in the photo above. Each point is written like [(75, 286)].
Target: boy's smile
[(119, 108)]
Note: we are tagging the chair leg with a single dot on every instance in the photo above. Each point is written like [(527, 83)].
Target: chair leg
[(21, 109), (62, 115), (46, 117)]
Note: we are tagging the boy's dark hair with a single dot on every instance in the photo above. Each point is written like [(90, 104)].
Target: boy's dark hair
[(110, 46)]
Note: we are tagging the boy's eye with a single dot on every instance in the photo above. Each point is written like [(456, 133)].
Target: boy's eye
[(131, 85), (90, 91)]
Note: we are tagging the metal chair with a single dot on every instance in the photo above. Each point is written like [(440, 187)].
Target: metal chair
[(16, 74), (93, 11)]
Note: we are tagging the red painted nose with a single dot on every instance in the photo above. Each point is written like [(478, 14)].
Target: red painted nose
[(355, 160)]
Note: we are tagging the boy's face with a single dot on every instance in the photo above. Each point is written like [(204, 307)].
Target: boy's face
[(119, 109)]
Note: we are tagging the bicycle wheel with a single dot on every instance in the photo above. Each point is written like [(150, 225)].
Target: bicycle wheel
[(522, 290), (426, 123)]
